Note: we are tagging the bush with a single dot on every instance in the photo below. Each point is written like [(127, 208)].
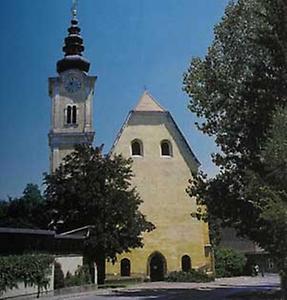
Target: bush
[(191, 276), (58, 276), (228, 262), (30, 269), (82, 276)]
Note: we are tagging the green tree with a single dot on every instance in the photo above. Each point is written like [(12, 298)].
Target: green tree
[(89, 188), (228, 262), (268, 191), (235, 89), (24, 212)]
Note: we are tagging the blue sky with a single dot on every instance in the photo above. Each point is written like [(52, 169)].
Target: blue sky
[(130, 44)]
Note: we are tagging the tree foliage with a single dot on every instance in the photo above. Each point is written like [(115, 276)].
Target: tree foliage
[(239, 90), (89, 188), (82, 276), (26, 211), (228, 263)]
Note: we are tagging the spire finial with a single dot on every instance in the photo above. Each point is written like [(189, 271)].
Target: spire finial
[(73, 47), (74, 9)]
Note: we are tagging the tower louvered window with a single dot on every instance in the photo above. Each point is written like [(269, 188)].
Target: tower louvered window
[(74, 115), (71, 114)]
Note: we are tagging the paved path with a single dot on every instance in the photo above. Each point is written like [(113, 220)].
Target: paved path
[(218, 290)]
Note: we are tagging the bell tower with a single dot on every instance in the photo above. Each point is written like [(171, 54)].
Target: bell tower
[(71, 93)]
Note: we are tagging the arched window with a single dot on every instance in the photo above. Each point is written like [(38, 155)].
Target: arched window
[(137, 148), (74, 116), (71, 114), (165, 147), (125, 267), (185, 263)]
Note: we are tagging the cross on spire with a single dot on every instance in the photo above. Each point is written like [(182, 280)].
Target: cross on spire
[(74, 8)]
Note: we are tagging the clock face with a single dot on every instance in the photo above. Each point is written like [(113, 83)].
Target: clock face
[(72, 82)]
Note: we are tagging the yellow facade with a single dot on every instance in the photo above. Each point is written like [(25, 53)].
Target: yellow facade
[(161, 181)]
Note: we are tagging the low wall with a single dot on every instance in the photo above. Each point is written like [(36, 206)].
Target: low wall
[(69, 263)]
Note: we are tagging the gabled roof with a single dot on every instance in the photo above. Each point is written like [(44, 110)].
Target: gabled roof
[(184, 140), (148, 103)]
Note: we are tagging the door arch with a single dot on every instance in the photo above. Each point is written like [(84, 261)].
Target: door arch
[(156, 266)]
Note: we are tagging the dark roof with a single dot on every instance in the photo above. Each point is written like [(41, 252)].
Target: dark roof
[(73, 49), (26, 231), (25, 240)]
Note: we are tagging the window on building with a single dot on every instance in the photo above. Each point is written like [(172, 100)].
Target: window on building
[(125, 267), (71, 114), (166, 148), (137, 148), (185, 263), (74, 116)]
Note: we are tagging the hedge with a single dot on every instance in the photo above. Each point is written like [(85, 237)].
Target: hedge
[(33, 270), (190, 276)]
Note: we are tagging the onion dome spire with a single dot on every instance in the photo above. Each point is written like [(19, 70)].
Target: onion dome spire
[(73, 48)]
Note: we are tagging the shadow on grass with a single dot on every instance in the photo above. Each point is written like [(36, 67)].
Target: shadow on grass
[(257, 295)]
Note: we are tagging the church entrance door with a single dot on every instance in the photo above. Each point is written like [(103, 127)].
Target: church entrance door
[(157, 267)]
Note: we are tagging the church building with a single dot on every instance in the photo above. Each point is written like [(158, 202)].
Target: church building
[(163, 162)]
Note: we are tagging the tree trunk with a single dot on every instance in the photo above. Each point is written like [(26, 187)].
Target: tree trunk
[(101, 267), (283, 278)]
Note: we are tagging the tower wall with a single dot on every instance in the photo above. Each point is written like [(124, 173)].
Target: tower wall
[(65, 134)]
